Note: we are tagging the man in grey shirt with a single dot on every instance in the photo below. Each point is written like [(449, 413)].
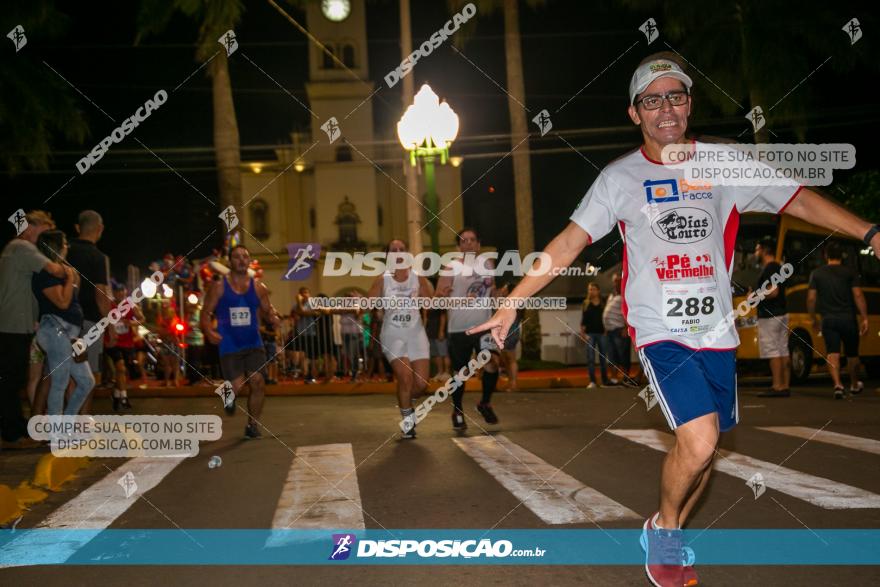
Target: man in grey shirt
[(19, 260)]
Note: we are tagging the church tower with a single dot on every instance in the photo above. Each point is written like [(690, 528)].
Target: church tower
[(342, 171), (342, 192)]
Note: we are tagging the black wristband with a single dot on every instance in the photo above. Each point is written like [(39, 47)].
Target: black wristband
[(870, 234)]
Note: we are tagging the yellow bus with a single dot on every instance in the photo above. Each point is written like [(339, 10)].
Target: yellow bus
[(802, 244)]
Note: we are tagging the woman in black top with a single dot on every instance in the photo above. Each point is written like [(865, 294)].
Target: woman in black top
[(594, 333), (61, 320)]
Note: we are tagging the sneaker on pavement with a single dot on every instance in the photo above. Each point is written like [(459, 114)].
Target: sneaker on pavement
[(592, 385), (409, 426), (668, 563), (857, 389), (125, 403), (252, 431), (838, 392), (487, 412), (458, 420)]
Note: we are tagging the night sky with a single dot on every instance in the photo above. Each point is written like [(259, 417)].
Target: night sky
[(149, 210)]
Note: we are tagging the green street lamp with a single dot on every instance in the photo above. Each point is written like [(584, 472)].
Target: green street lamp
[(427, 130)]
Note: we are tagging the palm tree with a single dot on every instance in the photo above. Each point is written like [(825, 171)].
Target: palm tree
[(757, 52), (516, 99), (36, 106), (519, 134), (214, 18)]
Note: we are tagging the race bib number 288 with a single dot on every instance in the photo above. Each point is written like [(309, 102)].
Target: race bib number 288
[(690, 308)]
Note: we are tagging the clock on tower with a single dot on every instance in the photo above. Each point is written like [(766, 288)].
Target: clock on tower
[(336, 10)]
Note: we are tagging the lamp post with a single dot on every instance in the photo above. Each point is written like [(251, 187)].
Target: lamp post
[(427, 130)]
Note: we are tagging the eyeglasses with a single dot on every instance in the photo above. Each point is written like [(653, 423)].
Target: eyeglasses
[(655, 101)]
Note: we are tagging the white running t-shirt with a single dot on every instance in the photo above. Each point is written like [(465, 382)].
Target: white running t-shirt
[(678, 249), (472, 278)]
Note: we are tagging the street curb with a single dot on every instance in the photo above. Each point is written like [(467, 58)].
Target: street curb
[(9, 508), (52, 472), (27, 495), (343, 388)]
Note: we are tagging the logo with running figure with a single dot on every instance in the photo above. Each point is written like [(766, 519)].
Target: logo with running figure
[(853, 30), (650, 30), (757, 485), (18, 38), (19, 221), (303, 258), (343, 544), (229, 42)]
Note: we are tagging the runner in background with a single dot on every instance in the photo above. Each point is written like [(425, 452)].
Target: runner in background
[(239, 302), (471, 277), (403, 337)]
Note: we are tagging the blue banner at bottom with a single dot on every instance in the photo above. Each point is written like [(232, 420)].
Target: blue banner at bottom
[(426, 547)]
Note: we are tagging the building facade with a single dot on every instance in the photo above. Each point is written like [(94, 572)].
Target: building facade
[(344, 190)]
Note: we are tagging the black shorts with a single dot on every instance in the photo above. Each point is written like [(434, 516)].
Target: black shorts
[(119, 354), (242, 363), (462, 346), (841, 328)]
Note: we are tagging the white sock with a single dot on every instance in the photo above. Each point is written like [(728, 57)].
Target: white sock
[(117, 393), (408, 414), (656, 525)]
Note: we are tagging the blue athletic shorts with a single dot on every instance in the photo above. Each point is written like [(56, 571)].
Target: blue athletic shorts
[(690, 384)]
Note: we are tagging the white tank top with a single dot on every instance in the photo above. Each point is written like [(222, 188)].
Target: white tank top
[(401, 319)]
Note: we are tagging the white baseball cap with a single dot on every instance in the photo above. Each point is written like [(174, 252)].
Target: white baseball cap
[(646, 73)]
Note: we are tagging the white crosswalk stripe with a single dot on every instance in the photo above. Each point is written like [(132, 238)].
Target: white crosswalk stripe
[(818, 491), (94, 509), (321, 491), (845, 440), (561, 500)]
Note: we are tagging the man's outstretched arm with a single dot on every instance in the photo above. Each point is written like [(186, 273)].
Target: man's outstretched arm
[(562, 250), (815, 209)]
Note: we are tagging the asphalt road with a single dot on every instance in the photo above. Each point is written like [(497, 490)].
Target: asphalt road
[(433, 482)]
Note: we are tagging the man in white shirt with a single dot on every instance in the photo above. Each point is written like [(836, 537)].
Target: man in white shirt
[(678, 251)]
